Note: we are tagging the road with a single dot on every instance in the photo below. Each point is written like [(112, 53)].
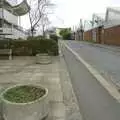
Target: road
[(94, 101), (104, 60)]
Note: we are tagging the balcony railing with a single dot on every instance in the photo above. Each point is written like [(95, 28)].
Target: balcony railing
[(5, 31)]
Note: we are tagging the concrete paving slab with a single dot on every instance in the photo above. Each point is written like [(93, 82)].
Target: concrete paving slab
[(57, 96), (25, 71), (57, 109)]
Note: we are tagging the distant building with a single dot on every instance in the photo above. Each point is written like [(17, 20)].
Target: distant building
[(9, 15), (58, 31), (104, 28)]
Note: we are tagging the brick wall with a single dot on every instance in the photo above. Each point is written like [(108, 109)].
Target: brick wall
[(112, 35), (92, 37), (99, 35), (88, 35)]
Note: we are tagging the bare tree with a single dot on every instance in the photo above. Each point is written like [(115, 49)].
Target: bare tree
[(39, 8), (44, 23)]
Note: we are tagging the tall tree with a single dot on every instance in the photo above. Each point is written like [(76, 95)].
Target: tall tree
[(44, 24), (66, 33)]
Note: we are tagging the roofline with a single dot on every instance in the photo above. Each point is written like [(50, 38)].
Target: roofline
[(13, 8), (112, 9), (95, 14)]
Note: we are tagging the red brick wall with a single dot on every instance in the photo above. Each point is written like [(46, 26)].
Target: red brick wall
[(99, 35), (88, 35), (112, 35)]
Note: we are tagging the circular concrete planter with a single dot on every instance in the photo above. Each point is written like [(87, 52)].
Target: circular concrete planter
[(43, 59), (35, 110)]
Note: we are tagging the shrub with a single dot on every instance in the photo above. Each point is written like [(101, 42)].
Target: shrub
[(20, 48), (5, 44), (44, 46), (34, 46), (66, 33), (54, 37), (36, 38)]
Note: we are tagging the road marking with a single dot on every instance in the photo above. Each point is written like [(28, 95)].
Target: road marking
[(111, 89)]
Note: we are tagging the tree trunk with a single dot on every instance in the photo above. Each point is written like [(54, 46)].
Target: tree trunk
[(32, 33), (43, 31)]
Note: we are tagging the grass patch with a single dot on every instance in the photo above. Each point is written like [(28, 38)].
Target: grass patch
[(24, 94)]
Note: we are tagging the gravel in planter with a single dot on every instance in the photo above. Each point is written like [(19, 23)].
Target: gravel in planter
[(24, 94)]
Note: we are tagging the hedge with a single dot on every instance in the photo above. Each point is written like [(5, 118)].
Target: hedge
[(32, 47), (4, 44), (44, 46), (54, 37), (20, 48)]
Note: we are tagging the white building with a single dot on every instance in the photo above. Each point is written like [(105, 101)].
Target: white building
[(10, 12)]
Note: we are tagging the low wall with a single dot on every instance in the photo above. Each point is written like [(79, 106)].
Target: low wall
[(88, 35), (112, 35)]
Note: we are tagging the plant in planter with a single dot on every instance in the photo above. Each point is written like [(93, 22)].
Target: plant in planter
[(25, 102), (43, 57)]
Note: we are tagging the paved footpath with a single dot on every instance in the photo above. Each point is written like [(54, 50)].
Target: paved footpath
[(95, 102), (24, 70)]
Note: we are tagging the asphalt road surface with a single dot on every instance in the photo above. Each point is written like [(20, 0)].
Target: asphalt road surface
[(105, 61), (94, 101)]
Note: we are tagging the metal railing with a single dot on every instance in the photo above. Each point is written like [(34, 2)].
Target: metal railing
[(5, 31)]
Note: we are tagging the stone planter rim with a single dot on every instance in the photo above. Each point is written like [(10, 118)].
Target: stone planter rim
[(42, 54), (28, 103)]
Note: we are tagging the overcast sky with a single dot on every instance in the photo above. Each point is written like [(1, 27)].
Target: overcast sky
[(68, 12)]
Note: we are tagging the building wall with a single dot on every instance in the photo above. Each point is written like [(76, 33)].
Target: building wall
[(5, 14), (13, 32), (1, 13), (112, 35), (96, 35), (88, 35), (10, 17), (10, 21), (17, 34), (58, 32)]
